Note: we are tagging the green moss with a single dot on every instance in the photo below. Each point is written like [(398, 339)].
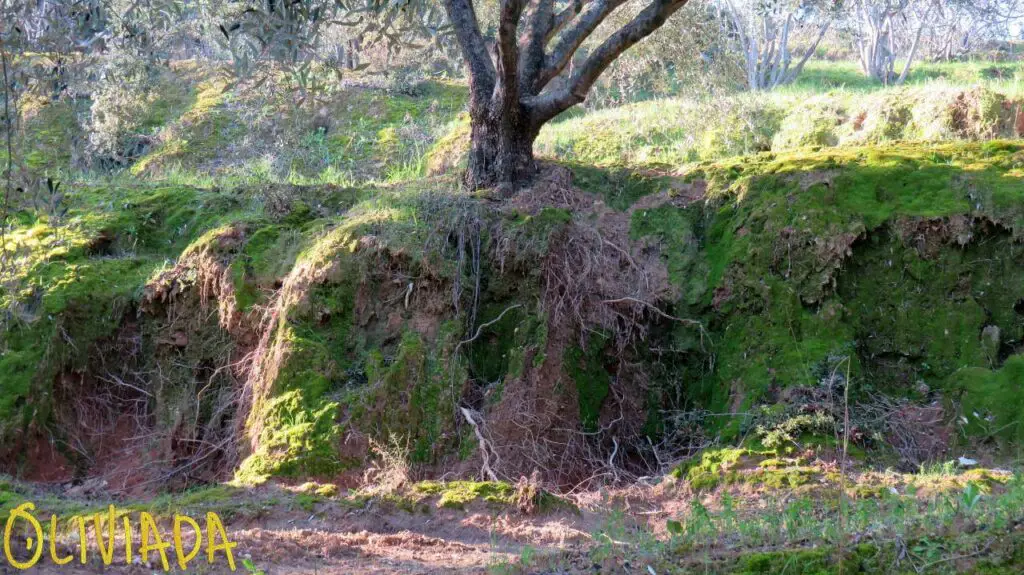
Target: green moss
[(73, 284), (592, 378), (797, 562), (11, 496), (704, 471), (679, 233), (418, 389), (731, 466), (458, 494), (620, 188), (501, 349), (991, 400), (872, 254), (323, 490), (332, 375), (268, 255)]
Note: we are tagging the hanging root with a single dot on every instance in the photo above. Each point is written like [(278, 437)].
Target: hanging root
[(486, 451)]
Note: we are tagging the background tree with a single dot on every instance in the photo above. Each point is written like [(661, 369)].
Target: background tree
[(763, 31), (961, 27), (885, 31)]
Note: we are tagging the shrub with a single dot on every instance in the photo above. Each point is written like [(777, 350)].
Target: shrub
[(120, 104), (813, 123)]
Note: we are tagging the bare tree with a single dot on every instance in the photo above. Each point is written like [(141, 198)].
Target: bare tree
[(960, 27), (763, 31)]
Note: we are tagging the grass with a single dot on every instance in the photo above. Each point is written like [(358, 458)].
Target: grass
[(668, 134), (819, 76), (964, 529)]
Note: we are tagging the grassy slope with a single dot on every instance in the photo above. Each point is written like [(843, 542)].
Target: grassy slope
[(783, 246), (824, 107), (811, 258)]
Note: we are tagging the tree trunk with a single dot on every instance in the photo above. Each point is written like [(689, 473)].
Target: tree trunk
[(501, 151), (507, 78)]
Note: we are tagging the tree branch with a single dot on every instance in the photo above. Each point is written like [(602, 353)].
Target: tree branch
[(651, 18), (561, 54), (507, 47), (467, 33), (810, 51), (531, 45), (913, 47), (562, 19)]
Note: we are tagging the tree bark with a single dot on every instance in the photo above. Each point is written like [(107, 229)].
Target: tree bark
[(501, 151)]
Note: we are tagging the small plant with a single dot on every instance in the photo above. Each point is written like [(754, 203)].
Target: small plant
[(675, 528), (390, 471), (251, 568), (789, 430), (970, 496), (943, 469)]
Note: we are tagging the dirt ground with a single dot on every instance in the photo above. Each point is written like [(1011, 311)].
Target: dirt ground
[(281, 535)]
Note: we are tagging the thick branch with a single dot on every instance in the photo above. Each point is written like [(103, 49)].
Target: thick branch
[(647, 21), (467, 33), (807, 55), (507, 88), (913, 49), (562, 19), (531, 45), (561, 54)]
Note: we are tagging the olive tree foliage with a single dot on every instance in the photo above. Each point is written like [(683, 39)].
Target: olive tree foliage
[(690, 57), (764, 32), (82, 51)]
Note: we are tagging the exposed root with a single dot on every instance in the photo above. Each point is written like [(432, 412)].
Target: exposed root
[(486, 451)]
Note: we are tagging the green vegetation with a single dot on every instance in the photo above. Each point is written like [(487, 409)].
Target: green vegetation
[(889, 251), (864, 252), (669, 133), (457, 494)]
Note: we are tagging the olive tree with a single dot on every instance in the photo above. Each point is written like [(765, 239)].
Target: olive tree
[(889, 30), (960, 27), (511, 59), (511, 91), (763, 31)]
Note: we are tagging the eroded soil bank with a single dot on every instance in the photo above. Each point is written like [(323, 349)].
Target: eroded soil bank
[(598, 327)]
